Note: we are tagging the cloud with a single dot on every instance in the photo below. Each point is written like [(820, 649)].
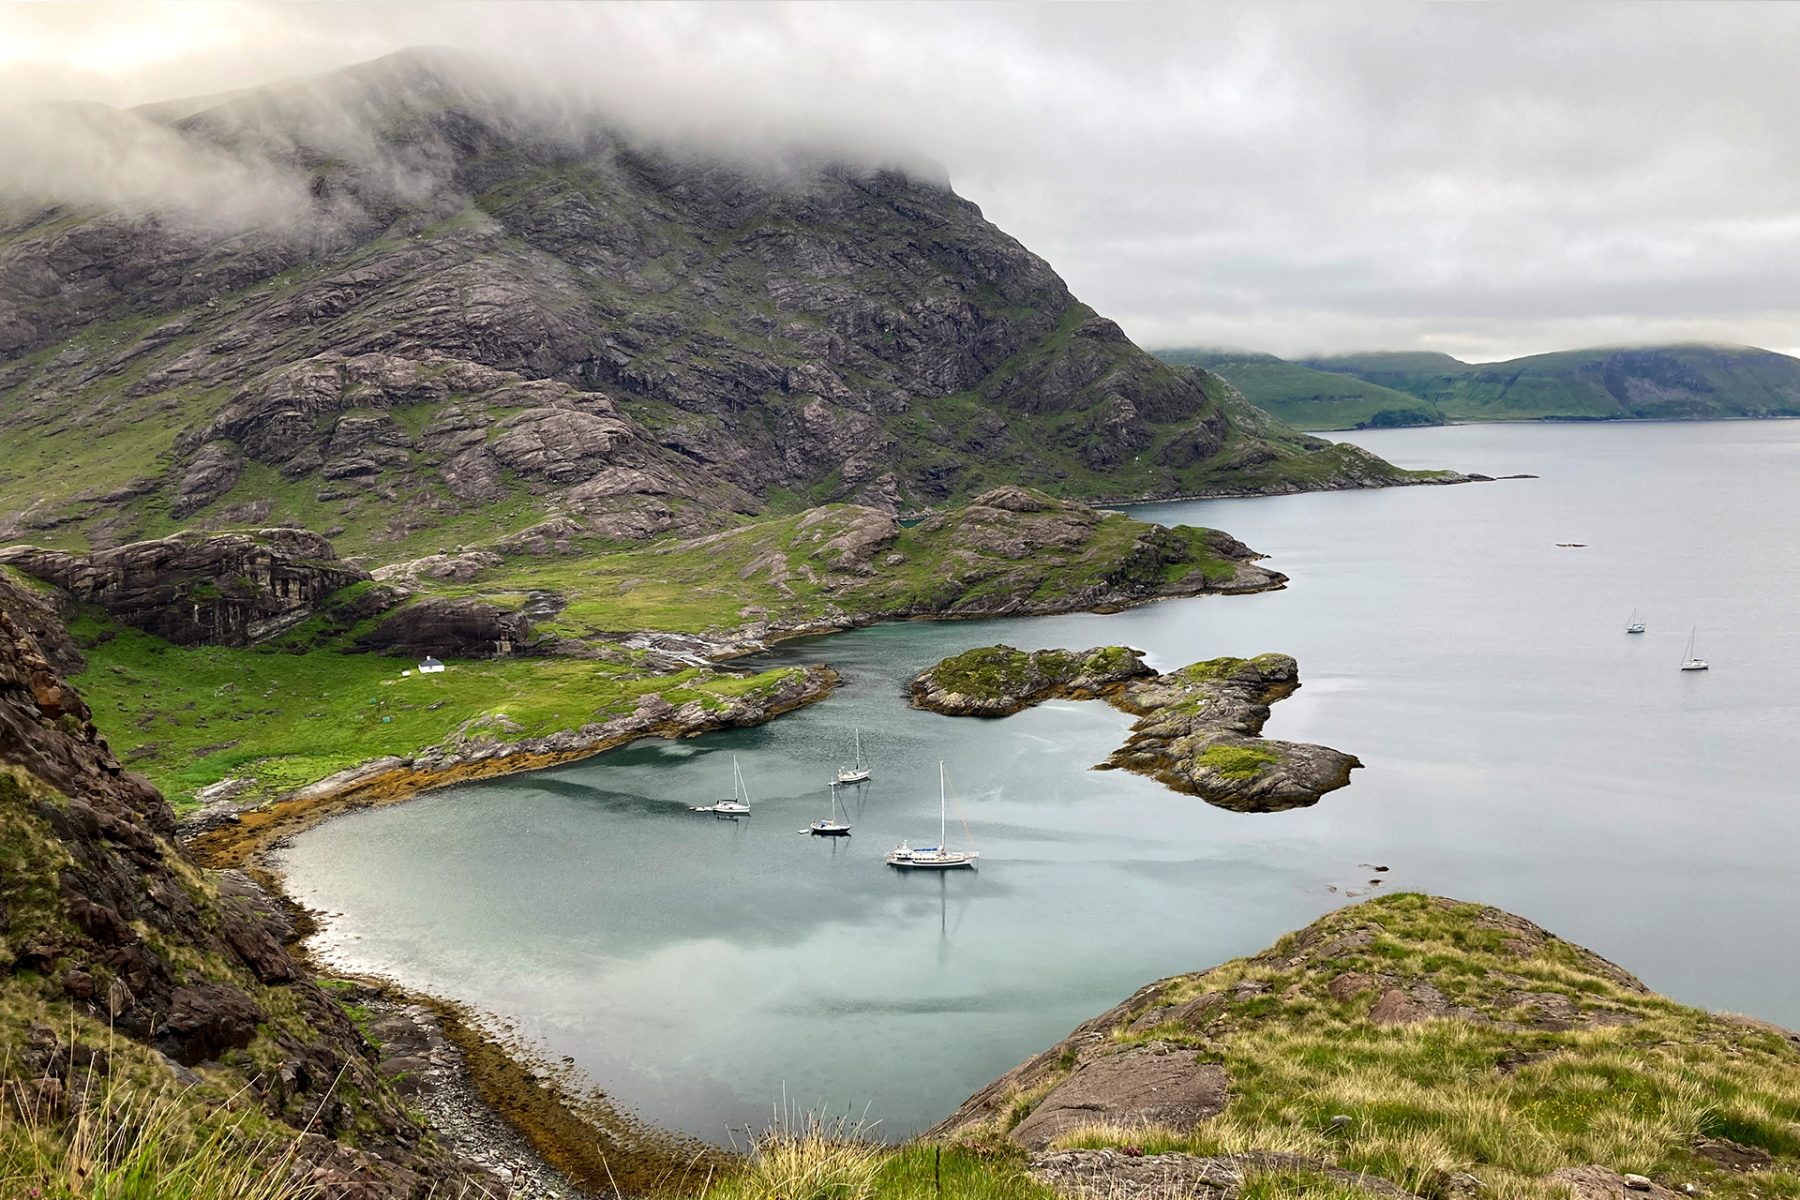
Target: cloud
[(1486, 180)]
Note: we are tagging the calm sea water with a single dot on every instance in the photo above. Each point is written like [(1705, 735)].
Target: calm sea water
[(1520, 748)]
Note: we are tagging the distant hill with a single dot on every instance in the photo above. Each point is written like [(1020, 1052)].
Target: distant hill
[(1690, 381), (1311, 399), (1645, 382)]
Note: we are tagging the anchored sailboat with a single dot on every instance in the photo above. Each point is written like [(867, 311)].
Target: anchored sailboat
[(933, 858), (1689, 662), (738, 805), (1636, 624), (831, 826), (859, 773)]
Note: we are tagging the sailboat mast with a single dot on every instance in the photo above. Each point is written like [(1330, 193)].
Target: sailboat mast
[(942, 827), (859, 748)]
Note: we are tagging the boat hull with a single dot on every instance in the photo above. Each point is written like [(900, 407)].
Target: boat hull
[(952, 862), (854, 776)]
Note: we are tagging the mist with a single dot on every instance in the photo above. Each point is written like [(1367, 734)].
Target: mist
[(1482, 180)]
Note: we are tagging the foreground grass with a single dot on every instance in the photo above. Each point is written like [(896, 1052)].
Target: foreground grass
[(191, 716), (124, 1143), (1635, 1089)]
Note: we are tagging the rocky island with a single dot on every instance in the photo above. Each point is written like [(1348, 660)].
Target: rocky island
[(1198, 728)]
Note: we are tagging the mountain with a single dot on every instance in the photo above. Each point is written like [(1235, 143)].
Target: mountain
[(1306, 398), (438, 310)]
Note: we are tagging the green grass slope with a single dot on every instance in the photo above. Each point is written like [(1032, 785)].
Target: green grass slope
[(1307, 398), (1448, 1049)]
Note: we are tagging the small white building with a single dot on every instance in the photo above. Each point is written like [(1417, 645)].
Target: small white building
[(430, 666)]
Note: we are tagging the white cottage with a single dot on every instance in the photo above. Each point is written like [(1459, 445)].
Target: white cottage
[(430, 666)]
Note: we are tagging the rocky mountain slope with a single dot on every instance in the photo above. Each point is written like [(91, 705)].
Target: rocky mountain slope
[(133, 980), (1407, 1046), (1355, 391), (473, 319)]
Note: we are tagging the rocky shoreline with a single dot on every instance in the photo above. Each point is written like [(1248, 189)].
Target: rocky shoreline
[(1198, 730), (226, 835)]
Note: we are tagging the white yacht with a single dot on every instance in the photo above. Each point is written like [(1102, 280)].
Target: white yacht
[(830, 826), (859, 773), (738, 805), (933, 858), (1690, 662), (1636, 624)]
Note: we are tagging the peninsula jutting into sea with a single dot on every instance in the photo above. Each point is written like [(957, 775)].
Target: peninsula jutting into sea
[(577, 619)]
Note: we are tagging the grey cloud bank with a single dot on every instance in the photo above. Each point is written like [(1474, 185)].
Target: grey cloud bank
[(1484, 180)]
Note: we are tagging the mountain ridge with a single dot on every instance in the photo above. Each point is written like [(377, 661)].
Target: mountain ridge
[(1674, 381)]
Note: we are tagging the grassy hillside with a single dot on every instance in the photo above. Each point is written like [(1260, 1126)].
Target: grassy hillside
[(1306, 398), (289, 711), (1658, 382), (1406, 1045)]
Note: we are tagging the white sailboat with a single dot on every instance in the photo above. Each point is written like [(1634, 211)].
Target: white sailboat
[(933, 858), (859, 773), (1689, 662), (738, 805), (1636, 624), (831, 826)]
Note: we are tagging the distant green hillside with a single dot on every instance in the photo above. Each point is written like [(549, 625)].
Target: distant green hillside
[(1311, 399), (1649, 382)]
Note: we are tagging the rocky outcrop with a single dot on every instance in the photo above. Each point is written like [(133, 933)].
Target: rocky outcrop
[(995, 681), (1197, 731), (117, 954), (449, 628), (1122, 1175), (221, 589), (1352, 1057)]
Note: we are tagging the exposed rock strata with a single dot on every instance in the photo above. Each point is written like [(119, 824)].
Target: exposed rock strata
[(221, 589), (1198, 728), (628, 338)]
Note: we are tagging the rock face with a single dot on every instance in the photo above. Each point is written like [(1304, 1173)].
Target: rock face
[(221, 589), (459, 628), (116, 953), (1346, 1059), (1199, 731), (995, 681), (1198, 728), (475, 307)]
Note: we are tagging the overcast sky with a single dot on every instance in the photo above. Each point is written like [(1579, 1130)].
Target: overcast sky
[(1487, 180)]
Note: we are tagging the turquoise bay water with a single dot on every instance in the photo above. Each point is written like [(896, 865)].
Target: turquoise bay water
[(1520, 748)]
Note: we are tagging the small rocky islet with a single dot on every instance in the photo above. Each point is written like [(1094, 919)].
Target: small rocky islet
[(1198, 729)]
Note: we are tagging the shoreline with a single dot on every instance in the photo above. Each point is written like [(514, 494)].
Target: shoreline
[(567, 1129)]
